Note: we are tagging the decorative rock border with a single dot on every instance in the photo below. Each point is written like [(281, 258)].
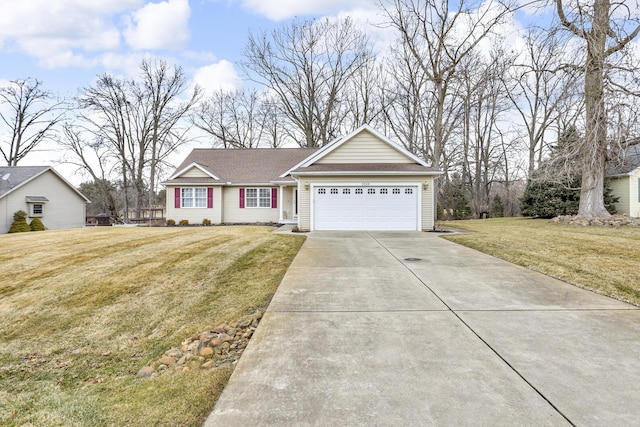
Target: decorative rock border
[(215, 347), (612, 221)]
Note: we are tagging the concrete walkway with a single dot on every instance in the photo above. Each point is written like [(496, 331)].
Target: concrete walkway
[(360, 335)]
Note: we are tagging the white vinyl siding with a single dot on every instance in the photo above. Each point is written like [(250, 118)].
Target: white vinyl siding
[(634, 206), (365, 148), (233, 214), (620, 188), (194, 173)]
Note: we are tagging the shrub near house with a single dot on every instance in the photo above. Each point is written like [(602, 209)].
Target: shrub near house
[(19, 224)]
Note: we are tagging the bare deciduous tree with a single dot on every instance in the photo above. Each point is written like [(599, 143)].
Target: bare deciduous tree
[(484, 102), (138, 123), (308, 66), (90, 157), (162, 86), (439, 35), (28, 114), (239, 119), (539, 86), (605, 28)]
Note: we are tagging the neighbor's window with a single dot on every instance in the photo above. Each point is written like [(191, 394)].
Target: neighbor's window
[(36, 209), (193, 197), (258, 197)]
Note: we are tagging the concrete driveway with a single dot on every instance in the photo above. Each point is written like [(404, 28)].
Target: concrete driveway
[(407, 329)]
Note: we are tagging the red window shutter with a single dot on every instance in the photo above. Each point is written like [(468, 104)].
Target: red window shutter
[(242, 198), (177, 198), (274, 197), (209, 197)]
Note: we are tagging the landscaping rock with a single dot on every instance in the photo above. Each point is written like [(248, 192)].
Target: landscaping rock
[(206, 352), (612, 221), (175, 353), (146, 371), (213, 348), (167, 360)]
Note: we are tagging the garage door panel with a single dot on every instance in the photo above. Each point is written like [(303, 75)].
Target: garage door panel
[(365, 208)]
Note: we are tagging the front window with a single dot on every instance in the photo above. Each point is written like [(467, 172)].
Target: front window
[(193, 197), (258, 197)]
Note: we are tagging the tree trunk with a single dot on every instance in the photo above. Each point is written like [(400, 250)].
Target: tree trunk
[(594, 152)]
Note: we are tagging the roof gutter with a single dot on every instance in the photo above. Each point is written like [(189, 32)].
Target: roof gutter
[(342, 173)]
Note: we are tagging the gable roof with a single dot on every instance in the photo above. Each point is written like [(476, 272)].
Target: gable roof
[(204, 170), (335, 144), (626, 163), (17, 176), (239, 166), (312, 164)]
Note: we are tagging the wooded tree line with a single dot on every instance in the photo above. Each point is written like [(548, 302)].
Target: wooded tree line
[(452, 89)]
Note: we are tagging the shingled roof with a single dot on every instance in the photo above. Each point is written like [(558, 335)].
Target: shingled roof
[(242, 166), (628, 162), (17, 175)]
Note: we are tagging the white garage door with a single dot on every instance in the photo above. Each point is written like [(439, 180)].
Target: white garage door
[(365, 208)]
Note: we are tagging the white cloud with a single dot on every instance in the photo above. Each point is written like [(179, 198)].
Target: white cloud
[(278, 10), (221, 75), (163, 25), (54, 30)]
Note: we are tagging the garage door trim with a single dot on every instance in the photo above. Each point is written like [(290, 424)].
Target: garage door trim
[(365, 184)]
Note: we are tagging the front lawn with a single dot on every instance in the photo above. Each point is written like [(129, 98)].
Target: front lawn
[(602, 258), (83, 310)]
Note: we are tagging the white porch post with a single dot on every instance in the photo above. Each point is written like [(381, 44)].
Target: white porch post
[(281, 203)]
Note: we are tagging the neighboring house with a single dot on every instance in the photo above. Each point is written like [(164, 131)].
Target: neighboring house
[(362, 181), (624, 179), (41, 192)]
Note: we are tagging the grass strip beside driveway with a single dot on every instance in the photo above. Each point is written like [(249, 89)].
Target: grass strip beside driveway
[(600, 258), (83, 310)]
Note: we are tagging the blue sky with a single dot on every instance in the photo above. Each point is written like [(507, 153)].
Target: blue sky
[(66, 43)]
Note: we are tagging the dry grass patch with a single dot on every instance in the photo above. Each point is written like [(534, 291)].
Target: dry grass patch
[(83, 310), (601, 258)]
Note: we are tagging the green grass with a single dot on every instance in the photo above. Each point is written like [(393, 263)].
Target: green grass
[(83, 310), (600, 258)]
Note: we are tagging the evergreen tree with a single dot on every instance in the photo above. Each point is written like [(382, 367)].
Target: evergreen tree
[(19, 224), (455, 198), (546, 199), (497, 207), (36, 225)]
